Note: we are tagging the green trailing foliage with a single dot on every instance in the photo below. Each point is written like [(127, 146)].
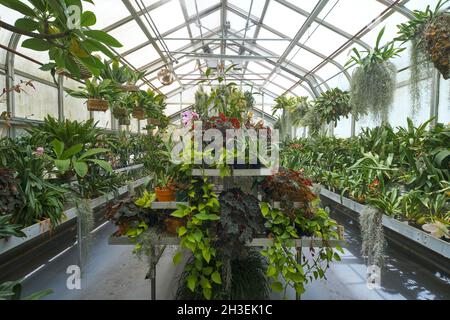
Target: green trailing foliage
[(248, 280)]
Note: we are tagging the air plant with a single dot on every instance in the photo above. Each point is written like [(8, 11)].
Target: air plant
[(373, 82)]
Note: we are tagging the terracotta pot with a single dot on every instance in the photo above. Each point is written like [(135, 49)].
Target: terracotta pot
[(129, 88), (172, 224), (138, 113), (165, 194), (97, 105)]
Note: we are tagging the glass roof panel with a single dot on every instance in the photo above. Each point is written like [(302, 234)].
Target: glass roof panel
[(290, 22), (324, 40), (304, 58), (307, 5), (351, 16), (123, 35), (107, 12), (201, 5), (276, 46), (257, 6), (167, 16), (146, 3), (141, 57), (174, 45)]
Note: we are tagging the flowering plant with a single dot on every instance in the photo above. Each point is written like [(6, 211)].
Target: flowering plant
[(188, 117), (222, 123)]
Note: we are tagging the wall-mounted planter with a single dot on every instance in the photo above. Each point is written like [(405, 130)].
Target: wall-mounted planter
[(428, 241), (43, 227)]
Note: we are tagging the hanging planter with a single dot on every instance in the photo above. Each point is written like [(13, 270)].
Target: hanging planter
[(138, 113), (97, 105), (429, 31), (332, 105), (129, 88), (120, 112), (153, 122)]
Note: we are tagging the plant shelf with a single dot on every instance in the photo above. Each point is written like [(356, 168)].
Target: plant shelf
[(43, 227), (167, 205), (234, 172)]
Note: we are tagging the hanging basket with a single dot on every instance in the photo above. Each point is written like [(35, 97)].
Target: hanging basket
[(124, 121), (84, 72), (437, 43), (129, 88), (153, 122), (138, 113), (97, 105), (119, 112)]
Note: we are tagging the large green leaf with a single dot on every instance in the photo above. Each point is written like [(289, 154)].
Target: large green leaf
[(94, 45), (58, 147), (103, 164), (26, 24), (103, 37), (88, 19), (81, 168), (92, 152), (18, 6), (72, 151), (36, 44), (63, 165)]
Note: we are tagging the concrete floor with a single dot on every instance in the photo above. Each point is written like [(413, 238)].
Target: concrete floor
[(113, 272)]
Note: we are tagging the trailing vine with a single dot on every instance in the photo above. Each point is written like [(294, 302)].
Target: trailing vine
[(205, 269), (283, 262)]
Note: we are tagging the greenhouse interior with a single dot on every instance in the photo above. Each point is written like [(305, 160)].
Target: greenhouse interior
[(225, 150)]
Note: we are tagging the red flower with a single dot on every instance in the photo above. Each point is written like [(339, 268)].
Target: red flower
[(222, 116), (235, 122)]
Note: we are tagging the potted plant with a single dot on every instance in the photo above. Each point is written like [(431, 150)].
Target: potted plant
[(97, 94), (133, 78), (165, 188), (154, 109), (119, 75), (332, 105)]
